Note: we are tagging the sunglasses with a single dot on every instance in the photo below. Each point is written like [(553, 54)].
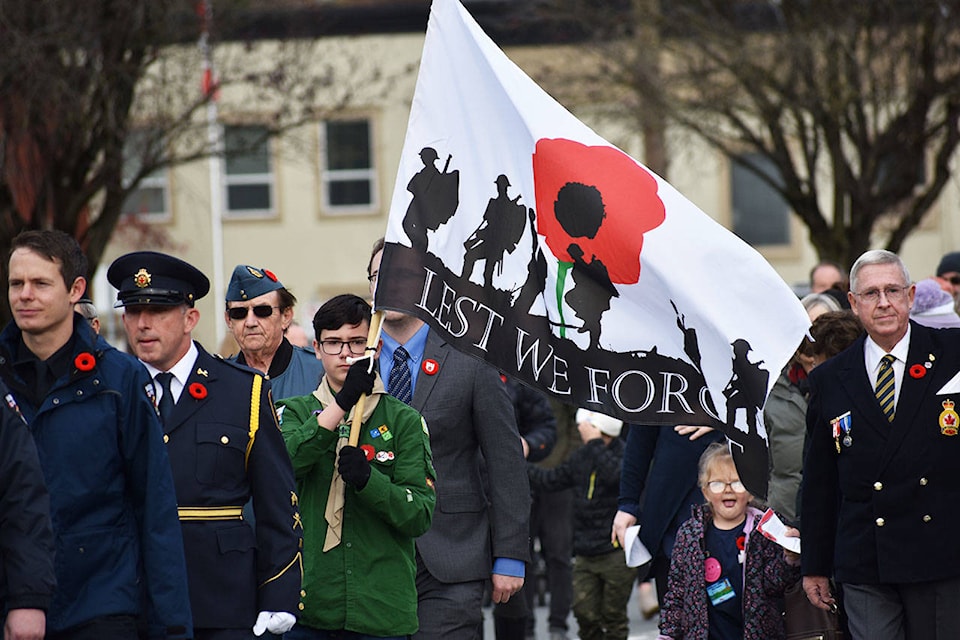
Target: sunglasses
[(261, 311)]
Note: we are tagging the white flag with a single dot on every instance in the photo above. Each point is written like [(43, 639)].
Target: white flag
[(524, 238)]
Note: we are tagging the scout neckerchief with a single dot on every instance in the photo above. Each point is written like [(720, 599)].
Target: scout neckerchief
[(333, 514)]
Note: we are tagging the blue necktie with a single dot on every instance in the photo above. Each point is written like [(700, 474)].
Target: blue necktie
[(166, 400), (401, 382)]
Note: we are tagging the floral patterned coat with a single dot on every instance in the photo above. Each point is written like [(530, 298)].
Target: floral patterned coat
[(766, 576)]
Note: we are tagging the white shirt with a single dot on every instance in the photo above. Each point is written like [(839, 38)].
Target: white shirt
[(181, 373), (872, 354)]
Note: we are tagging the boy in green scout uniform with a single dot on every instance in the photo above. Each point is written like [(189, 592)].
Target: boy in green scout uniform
[(362, 514)]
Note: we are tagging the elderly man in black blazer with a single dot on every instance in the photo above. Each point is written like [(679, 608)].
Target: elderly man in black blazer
[(474, 537), (881, 501)]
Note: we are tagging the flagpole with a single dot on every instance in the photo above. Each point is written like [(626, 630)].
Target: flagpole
[(373, 339), (205, 10)]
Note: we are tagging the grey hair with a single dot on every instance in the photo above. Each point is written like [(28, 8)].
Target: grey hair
[(86, 309), (876, 256), (814, 300)]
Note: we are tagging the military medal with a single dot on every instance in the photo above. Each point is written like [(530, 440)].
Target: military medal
[(949, 419), (841, 427)]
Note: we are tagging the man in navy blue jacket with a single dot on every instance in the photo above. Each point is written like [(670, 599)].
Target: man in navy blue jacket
[(120, 562)]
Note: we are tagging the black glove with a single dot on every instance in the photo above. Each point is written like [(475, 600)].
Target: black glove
[(358, 382), (354, 467)]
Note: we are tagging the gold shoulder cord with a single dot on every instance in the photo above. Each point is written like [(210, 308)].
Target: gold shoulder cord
[(254, 416)]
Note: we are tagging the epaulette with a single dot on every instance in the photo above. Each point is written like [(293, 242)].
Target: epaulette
[(239, 367)]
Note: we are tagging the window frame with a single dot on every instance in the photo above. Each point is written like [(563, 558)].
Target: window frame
[(229, 180), (329, 176)]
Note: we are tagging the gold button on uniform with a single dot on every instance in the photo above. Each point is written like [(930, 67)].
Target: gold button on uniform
[(166, 438), (878, 486), (300, 606), (224, 439), (923, 482), (880, 522), (927, 518)]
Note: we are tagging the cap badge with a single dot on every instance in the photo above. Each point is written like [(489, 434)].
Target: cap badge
[(142, 278), (254, 272)]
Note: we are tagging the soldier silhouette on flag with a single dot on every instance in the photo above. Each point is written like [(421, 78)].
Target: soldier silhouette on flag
[(503, 223), (435, 198), (747, 388), (579, 210)]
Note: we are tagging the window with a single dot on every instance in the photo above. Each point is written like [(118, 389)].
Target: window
[(760, 214), (149, 200), (248, 175), (348, 174)]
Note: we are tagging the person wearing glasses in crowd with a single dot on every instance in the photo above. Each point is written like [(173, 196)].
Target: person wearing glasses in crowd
[(359, 563), (259, 311), (948, 273), (879, 492), (726, 579), (225, 449)]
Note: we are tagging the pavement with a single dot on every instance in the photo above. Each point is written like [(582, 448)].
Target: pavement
[(640, 629)]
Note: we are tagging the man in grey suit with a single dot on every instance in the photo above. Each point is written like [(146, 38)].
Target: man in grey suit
[(474, 537)]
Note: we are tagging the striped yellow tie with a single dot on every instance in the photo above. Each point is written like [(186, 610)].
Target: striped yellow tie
[(886, 387)]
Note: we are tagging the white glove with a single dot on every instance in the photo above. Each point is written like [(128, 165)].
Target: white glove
[(276, 622)]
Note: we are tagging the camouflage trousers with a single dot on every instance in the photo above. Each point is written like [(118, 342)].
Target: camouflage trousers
[(601, 590)]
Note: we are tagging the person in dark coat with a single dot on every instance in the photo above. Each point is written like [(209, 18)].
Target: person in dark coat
[(26, 539), (602, 581), (538, 433), (658, 486), (879, 479), (225, 448), (119, 554)]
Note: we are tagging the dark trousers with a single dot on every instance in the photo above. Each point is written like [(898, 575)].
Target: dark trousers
[(230, 634), (448, 611), (105, 628), (551, 520), (309, 633), (915, 611)]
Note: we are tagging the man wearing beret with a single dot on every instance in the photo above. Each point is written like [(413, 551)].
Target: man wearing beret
[(225, 448), (259, 311), (119, 554)]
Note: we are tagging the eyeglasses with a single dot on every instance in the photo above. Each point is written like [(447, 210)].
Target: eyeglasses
[(718, 486), (954, 280), (334, 347), (261, 311), (893, 294), (373, 276)]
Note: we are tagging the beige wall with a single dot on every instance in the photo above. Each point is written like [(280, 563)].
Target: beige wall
[(317, 254)]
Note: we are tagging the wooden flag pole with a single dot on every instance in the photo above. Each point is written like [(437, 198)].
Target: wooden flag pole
[(373, 339)]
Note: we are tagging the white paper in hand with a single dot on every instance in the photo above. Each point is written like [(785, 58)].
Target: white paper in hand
[(772, 527), (636, 553)]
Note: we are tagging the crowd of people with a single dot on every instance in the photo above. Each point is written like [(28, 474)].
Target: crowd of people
[(387, 488)]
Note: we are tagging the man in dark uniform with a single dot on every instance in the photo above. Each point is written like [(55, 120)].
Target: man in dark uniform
[(880, 493), (225, 447)]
